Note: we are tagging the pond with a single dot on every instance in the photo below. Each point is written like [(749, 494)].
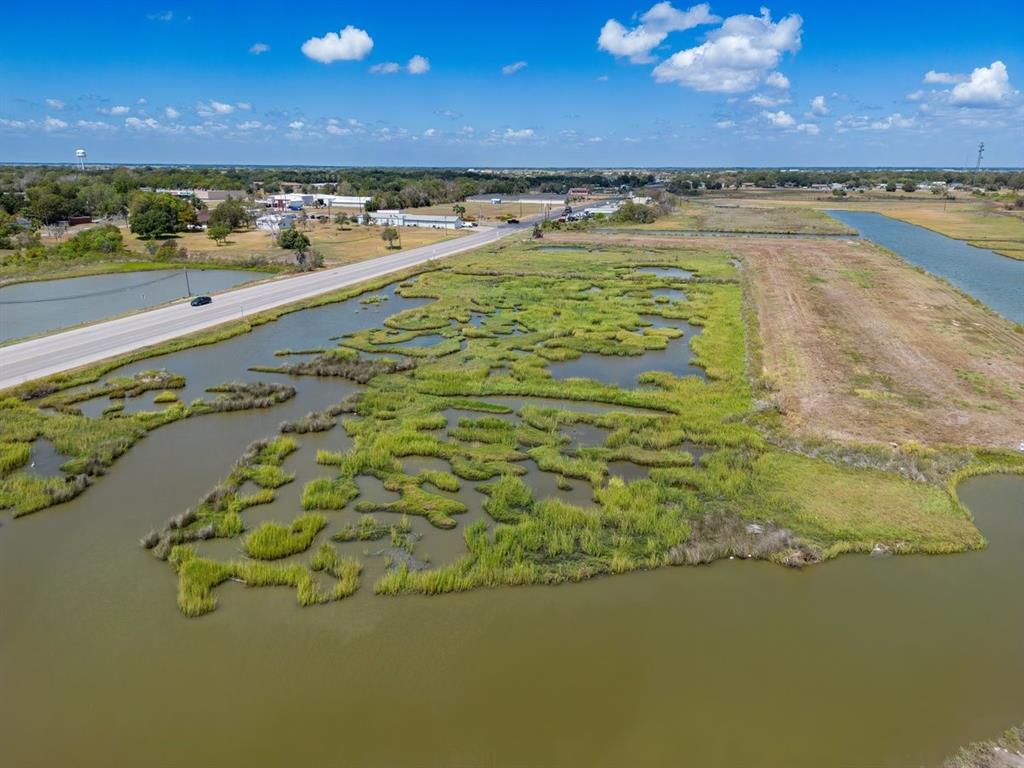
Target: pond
[(622, 370), (672, 272), (643, 662), (28, 309), (636, 669), (996, 280)]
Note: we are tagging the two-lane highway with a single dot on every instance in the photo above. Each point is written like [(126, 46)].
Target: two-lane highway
[(81, 346)]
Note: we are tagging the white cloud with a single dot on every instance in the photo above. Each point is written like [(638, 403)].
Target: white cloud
[(736, 56), (352, 44), (245, 106), (602, 78), (514, 134), (335, 129), (94, 125), (430, 133), (946, 78), (214, 107), (895, 120), (171, 113), (515, 66), (779, 119), (163, 16), (418, 65), (725, 124), (257, 48), (655, 25), (761, 100), (252, 125), (986, 87), (54, 124), (777, 80), (809, 128), (385, 68), (818, 106), (915, 95), (55, 104), (15, 124), (139, 124), (118, 110), (296, 125)]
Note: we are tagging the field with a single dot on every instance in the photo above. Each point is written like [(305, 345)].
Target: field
[(484, 211), (742, 216), (857, 345), (338, 247), (980, 222)]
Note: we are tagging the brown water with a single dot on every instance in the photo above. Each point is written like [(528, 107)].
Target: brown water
[(860, 661)]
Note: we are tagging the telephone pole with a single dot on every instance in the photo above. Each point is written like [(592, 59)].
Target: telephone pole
[(977, 165)]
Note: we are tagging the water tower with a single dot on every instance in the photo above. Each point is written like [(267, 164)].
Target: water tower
[(80, 155)]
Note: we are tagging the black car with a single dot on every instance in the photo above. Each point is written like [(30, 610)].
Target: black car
[(200, 301), (512, 221)]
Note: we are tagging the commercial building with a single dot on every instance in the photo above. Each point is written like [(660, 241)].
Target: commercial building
[(274, 222), (394, 218)]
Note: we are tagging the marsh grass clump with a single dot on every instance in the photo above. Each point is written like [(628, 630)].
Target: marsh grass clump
[(272, 541), (359, 370), (329, 493), (367, 529), (14, 456), (314, 421), (164, 397), (243, 395)]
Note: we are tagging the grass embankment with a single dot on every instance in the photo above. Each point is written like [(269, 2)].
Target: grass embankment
[(744, 217), (743, 496), (1007, 751)]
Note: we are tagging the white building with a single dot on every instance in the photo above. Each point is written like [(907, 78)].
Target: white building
[(393, 218), (275, 222), (342, 201)]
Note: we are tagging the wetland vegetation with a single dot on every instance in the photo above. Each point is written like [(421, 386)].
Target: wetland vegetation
[(534, 310)]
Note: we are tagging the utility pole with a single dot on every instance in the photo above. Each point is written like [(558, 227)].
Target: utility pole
[(188, 287), (977, 165)]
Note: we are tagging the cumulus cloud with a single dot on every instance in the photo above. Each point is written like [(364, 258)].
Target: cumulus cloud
[(296, 125), (736, 56), (162, 16), (761, 100), (777, 80), (418, 65), (818, 106), (385, 68), (118, 110), (94, 125), (430, 133), (141, 124), (779, 119), (895, 120), (214, 107), (514, 134), (352, 44), (656, 23), (725, 124), (13, 124), (55, 104), (515, 66), (811, 129), (986, 87), (54, 124), (171, 113), (942, 78), (257, 48), (252, 125)]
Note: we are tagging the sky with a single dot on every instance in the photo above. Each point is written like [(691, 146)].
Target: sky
[(606, 83)]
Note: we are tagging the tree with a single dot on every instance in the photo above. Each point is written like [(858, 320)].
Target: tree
[(293, 240), (890, 187), (341, 220), (390, 234), (909, 186), (538, 233), (153, 213), (232, 214), (218, 233), (635, 213), (460, 210)]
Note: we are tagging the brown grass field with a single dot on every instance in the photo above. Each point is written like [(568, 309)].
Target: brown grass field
[(856, 345), (978, 221), (338, 247)]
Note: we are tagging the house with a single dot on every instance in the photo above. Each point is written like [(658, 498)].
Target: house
[(395, 218)]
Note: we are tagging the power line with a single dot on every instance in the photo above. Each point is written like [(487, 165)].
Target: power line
[(94, 293)]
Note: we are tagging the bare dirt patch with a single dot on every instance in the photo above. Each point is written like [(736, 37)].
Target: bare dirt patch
[(857, 345)]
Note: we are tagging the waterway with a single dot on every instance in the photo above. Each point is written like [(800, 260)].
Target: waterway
[(996, 280), (864, 661), (28, 309)]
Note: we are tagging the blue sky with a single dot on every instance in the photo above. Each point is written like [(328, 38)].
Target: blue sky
[(603, 83)]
